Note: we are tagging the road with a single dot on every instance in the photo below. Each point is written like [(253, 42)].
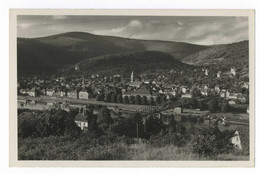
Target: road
[(129, 107)]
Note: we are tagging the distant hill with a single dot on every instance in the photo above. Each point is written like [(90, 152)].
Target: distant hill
[(177, 49), (132, 61), (48, 54), (228, 55)]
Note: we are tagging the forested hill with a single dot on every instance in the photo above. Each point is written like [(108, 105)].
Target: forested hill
[(178, 50), (51, 53), (235, 54), (132, 61)]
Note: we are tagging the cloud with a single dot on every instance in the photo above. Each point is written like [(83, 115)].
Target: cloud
[(24, 25), (180, 23), (58, 17), (135, 24), (128, 30), (197, 30)]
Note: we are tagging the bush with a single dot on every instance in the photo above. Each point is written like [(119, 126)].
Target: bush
[(210, 141), (55, 122)]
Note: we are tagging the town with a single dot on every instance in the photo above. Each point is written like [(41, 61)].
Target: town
[(206, 102)]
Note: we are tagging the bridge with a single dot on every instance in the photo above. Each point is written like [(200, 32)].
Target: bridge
[(150, 110)]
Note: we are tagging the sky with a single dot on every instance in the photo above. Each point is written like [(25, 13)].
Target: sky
[(202, 30)]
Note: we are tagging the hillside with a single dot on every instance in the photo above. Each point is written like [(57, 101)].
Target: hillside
[(54, 52), (48, 54), (131, 61), (235, 54), (176, 49)]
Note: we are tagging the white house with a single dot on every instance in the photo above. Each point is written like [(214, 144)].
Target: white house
[(236, 140), (188, 95), (62, 93), (50, 92), (184, 89), (217, 89), (32, 92), (206, 72), (218, 74), (246, 85), (83, 94), (231, 102), (81, 121)]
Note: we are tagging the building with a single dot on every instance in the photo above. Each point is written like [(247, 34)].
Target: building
[(188, 95), (204, 92), (233, 71), (132, 77), (72, 94), (23, 91), (245, 85), (32, 92), (235, 96), (231, 102), (136, 84), (236, 140), (63, 93), (206, 72), (184, 89), (217, 89), (178, 110), (141, 92), (81, 121), (224, 93), (170, 92), (83, 94), (177, 118), (50, 92), (77, 67), (218, 74)]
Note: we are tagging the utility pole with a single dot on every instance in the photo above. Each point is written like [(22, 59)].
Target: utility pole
[(137, 130)]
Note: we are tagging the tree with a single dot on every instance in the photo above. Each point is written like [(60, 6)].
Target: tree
[(152, 125), (128, 126), (202, 105), (132, 100), (98, 98), (107, 98), (163, 98), (144, 100), (225, 107), (213, 105), (55, 122), (138, 99), (113, 98), (196, 92), (92, 120), (125, 100), (151, 101), (210, 141), (26, 124), (158, 100), (104, 119), (119, 98)]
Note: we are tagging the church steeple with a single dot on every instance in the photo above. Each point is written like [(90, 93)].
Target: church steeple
[(83, 80), (132, 77)]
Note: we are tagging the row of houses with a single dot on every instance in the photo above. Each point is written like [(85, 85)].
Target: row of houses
[(74, 94)]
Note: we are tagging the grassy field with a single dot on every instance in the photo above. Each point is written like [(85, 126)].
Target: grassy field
[(62, 148), (144, 152)]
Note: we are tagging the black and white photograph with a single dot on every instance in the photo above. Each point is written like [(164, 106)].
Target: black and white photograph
[(137, 87)]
